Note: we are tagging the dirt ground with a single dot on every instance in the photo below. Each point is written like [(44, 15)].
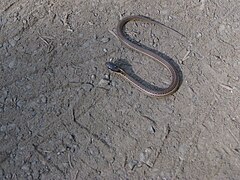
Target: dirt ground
[(65, 116)]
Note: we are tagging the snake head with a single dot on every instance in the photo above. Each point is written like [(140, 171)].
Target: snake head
[(113, 67)]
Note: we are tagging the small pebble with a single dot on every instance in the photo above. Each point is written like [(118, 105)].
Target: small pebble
[(12, 42), (28, 87), (103, 82), (3, 128), (43, 99), (104, 40), (146, 158), (182, 151), (25, 168), (90, 23), (107, 76), (17, 38), (94, 150), (24, 21), (15, 14), (65, 165), (87, 87), (132, 164), (163, 12), (6, 45), (114, 84), (11, 127), (152, 130), (8, 176), (93, 77), (11, 64), (222, 27), (20, 104), (199, 35)]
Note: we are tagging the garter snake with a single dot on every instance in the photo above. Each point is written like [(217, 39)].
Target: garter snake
[(175, 83)]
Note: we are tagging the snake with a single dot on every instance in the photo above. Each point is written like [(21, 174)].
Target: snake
[(114, 67)]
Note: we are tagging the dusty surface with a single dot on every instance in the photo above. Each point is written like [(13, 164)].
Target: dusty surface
[(64, 116)]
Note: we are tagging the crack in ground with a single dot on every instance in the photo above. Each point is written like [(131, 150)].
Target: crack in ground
[(89, 132), (48, 161)]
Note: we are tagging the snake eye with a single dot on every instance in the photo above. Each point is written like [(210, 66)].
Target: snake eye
[(113, 67)]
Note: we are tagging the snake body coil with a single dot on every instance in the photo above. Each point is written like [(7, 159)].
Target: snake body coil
[(115, 68)]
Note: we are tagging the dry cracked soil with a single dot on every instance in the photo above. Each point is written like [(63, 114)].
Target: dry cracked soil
[(63, 115)]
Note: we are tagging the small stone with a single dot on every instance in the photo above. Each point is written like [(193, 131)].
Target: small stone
[(90, 23), (7, 54), (103, 82), (12, 42), (94, 151), (65, 165), (152, 130), (11, 64), (107, 76), (24, 21), (8, 176), (3, 128), (182, 151), (11, 127), (132, 164), (163, 12), (17, 38), (25, 168), (20, 104), (43, 99), (105, 40), (5, 45), (147, 157), (87, 87), (15, 14), (114, 84), (93, 77), (3, 21), (142, 157), (86, 44), (199, 35)]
